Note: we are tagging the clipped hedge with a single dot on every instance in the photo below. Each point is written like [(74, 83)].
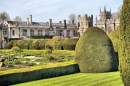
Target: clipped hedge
[(15, 76), (124, 43), (114, 36), (38, 44), (94, 52), (69, 43), (56, 43)]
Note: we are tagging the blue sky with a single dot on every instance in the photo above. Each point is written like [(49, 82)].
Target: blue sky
[(58, 10)]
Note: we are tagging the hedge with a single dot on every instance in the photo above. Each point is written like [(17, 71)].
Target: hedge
[(56, 43), (69, 43), (124, 43), (38, 44), (94, 52), (114, 36), (15, 76)]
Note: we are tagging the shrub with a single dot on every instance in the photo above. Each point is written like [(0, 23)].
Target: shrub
[(124, 43), (56, 43), (69, 43), (16, 49), (94, 52), (38, 44), (11, 44), (114, 36)]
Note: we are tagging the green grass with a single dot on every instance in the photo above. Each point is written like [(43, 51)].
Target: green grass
[(79, 79)]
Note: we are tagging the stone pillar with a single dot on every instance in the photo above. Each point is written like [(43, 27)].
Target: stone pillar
[(28, 32), (8, 34), (19, 32), (35, 32), (65, 33), (71, 33)]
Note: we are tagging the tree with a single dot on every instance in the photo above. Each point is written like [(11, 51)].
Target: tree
[(72, 18), (4, 16), (124, 43), (17, 19), (118, 13)]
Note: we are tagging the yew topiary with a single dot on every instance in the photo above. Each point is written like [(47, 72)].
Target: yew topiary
[(94, 52), (124, 43), (114, 36)]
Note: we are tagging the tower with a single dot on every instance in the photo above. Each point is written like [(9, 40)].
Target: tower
[(84, 22), (106, 22)]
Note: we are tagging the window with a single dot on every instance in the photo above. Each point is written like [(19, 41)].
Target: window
[(4, 32), (24, 32), (31, 32), (39, 32), (13, 32), (68, 33)]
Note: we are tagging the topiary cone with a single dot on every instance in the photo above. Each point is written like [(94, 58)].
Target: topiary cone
[(94, 52)]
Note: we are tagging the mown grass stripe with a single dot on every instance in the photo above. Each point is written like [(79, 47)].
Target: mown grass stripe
[(80, 79)]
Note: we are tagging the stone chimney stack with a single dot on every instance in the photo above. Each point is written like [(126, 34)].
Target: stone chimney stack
[(65, 26), (50, 22), (27, 21), (60, 22), (30, 19)]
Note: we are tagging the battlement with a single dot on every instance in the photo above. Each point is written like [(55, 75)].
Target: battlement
[(85, 17)]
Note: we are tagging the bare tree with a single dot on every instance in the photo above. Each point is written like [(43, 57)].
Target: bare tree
[(72, 18), (117, 14), (17, 19), (4, 16)]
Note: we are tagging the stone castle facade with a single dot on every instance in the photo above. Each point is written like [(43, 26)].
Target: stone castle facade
[(84, 22), (107, 22), (29, 29)]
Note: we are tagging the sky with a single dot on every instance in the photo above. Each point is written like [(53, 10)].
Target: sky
[(57, 10)]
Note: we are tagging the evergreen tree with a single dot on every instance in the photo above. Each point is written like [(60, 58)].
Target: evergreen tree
[(124, 47)]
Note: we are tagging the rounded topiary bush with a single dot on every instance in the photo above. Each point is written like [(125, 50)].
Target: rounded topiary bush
[(114, 36), (94, 52), (69, 43)]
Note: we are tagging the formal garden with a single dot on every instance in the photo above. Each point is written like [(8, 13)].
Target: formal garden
[(94, 59)]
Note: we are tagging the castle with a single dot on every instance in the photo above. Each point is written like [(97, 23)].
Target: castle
[(106, 22), (29, 29)]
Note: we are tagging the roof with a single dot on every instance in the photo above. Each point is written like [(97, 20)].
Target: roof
[(45, 24)]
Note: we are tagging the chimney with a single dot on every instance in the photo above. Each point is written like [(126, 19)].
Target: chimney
[(60, 22), (65, 24), (50, 22), (30, 19), (27, 21)]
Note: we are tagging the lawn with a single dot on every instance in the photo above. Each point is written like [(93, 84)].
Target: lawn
[(79, 79)]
